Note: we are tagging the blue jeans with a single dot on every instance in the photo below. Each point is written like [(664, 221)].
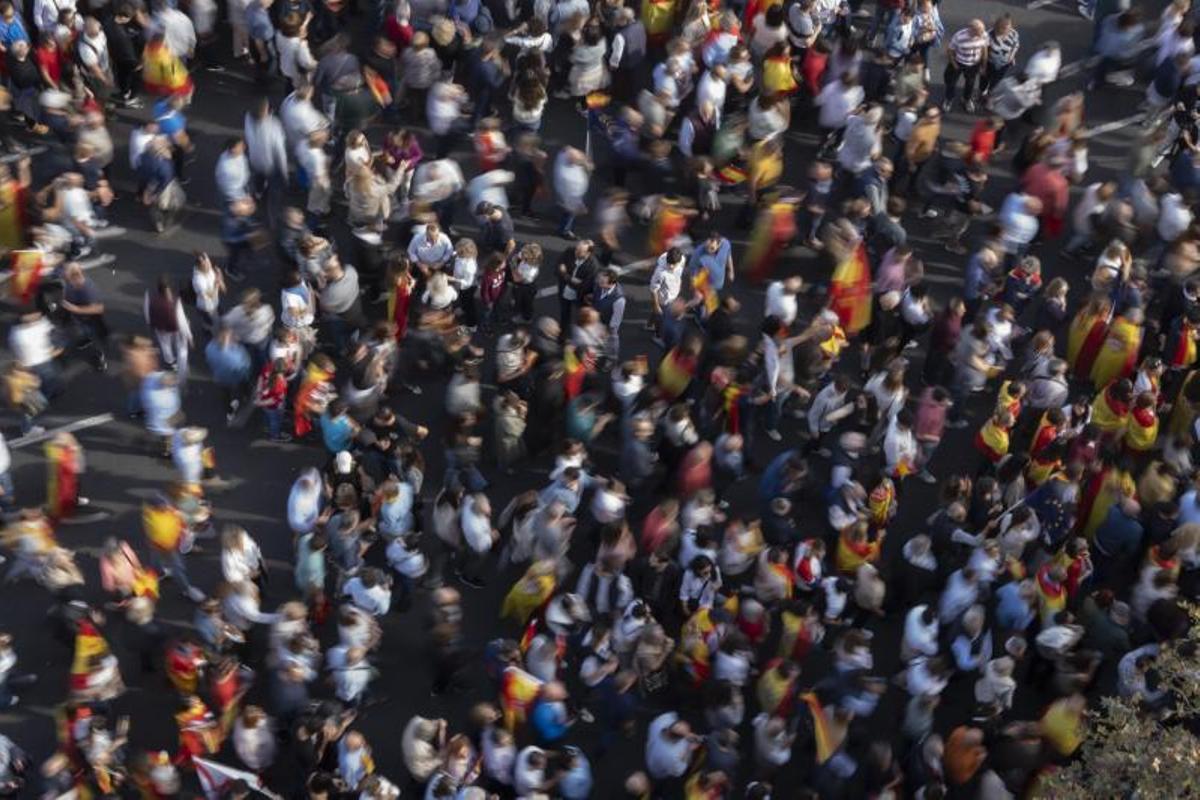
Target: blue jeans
[(7, 500), (274, 421), (566, 222)]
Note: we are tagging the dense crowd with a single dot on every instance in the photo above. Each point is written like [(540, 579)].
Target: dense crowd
[(713, 560)]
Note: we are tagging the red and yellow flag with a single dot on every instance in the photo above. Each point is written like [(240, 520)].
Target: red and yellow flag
[(823, 734), (992, 440), (163, 73), (27, 269), (89, 645), (850, 291), (669, 222), (518, 690), (378, 86)]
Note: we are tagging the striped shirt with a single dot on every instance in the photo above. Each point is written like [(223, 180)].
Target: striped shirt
[(967, 47), (1003, 49)]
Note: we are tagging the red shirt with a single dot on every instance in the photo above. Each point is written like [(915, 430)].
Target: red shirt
[(983, 142), (813, 68), (50, 60)]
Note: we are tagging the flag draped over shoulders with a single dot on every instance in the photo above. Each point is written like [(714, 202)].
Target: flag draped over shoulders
[(850, 291)]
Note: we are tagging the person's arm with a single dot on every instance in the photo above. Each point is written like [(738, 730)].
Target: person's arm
[(729, 274), (687, 135), (181, 321), (618, 50)]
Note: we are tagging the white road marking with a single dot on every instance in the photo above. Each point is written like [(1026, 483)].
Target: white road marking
[(547, 291), (1115, 125), (70, 427), (101, 260)]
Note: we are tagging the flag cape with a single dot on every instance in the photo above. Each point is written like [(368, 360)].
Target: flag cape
[(1181, 351), (823, 733), (775, 228), (524, 599), (992, 440), (1084, 340), (62, 463), (777, 75), (1142, 431), (378, 87), (669, 222), (163, 73), (731, 175), (850, 291), (518, 690), (702, 286), (1109, 415), (214, 777), (88, 645), (27, 269), (675, 373), (1118, 357), (658, 16), (12, 215)]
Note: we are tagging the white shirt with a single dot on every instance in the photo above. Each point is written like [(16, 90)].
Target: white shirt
[(711, 89), (178, 32), (570, 182), (465, 273), (5, 456), (241, 563), (300, 118), (1174, 217), (899, 446), (433, 254), (139, 138), (266, 145), (45, 14), (296, 61), (30, 342), (233, 176), (666, 758), (836, 103), (476, 528), (442, 108), (374, 600), (919, 638), (781, 303), (667, 280)]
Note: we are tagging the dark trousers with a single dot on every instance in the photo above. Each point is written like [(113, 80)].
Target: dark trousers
[(523, 296), (969, 74), (992, 75)]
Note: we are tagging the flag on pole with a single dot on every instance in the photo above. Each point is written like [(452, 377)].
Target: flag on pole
[(378, 87), (27, 269), (215, 777), (850, 291)]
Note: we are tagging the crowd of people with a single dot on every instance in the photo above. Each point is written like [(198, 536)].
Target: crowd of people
[(716, 565)]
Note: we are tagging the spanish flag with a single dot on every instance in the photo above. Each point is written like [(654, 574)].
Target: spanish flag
[(669, 223), (731, 398), (528, 595), (13, 217), (825, 734), (1053, 595), (518, 690), (992, 440), (659, 17), (702, 286), (89, 645), (378, 87), (774, 230), (732, 175), (62, 462), (850, 291), (1142, 431), (163, 73), (27, 269), (1181, 345), (1109, 414), (575, 369)]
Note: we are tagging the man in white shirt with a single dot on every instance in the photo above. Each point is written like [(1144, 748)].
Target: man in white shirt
[(266, 144), (92, 49), (46, 12), (7, 489), (1019, 222), (669, 746), (781, 300), (827, 408), (312, 158), (572, 176), (371, 591), (475, 522), (665, 283), (430, 250), (178, 32), (32, 345), (233, 172)]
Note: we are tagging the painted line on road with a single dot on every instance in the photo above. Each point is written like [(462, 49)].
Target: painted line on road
[(71, 427), (1115, 125), (1083, 64), (102, 260)]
